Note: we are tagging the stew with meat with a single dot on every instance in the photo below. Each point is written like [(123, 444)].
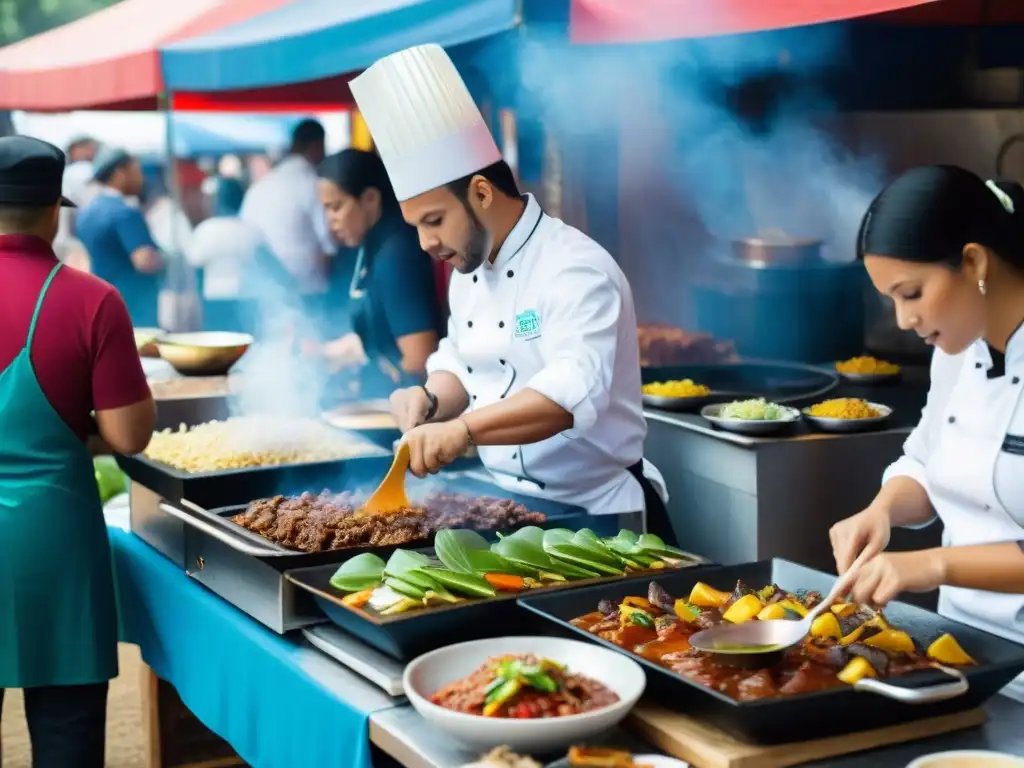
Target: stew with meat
[(524, 687), (846, 643)]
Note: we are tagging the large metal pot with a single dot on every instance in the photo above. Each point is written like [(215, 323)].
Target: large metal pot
[(777, 251)]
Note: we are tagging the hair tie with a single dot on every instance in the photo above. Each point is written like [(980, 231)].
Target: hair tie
[(1004, 199)]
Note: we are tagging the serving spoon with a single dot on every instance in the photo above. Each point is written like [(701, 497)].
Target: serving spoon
[(390, 496), (754, 640)]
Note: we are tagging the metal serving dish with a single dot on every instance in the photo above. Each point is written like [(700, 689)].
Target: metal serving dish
[(682, 404), (408, 635), (206, 353), (820, 714), (754, 427), (225, 487), (844, 426), (558, 516)]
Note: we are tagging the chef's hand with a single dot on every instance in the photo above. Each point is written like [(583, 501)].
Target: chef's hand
[(433, 446), (344, 352), (410, 407), (868, 530), (886, 575)]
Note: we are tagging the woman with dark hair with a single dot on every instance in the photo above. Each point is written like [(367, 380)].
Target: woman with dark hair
[(948, 248), (392, 304)]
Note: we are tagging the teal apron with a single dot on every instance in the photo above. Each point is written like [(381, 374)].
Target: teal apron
[(58, 616)]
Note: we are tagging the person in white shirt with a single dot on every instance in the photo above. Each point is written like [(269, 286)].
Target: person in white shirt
[(948, 248), (285, 207), (80, 188), (540, 368)]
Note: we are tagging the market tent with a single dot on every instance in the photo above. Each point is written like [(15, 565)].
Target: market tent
[(110, 59), (314, 40), (613, 21)]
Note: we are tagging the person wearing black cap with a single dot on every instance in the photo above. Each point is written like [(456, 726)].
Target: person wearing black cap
[(948, 249), (66, 351), (114, 232)]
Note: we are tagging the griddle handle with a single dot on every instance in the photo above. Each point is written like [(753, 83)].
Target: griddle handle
[(928, 695), (222, 536)]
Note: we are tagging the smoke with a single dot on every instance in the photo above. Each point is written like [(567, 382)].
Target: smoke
[(718, 139)]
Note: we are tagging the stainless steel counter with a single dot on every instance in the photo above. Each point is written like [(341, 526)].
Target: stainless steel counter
[(409, 739), (735, 498)]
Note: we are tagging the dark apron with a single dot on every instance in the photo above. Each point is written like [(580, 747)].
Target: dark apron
[(657, 514)]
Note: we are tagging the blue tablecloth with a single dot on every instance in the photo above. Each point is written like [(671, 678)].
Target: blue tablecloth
[(278, 702)]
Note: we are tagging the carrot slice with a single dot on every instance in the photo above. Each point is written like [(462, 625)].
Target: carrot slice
[(506, 582)]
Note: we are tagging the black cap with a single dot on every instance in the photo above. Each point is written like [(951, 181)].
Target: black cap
[(31, 172)]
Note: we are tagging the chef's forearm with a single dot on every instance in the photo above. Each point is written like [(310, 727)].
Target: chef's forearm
[(906, 502), (526, 417), (452, 398), (986, 567)]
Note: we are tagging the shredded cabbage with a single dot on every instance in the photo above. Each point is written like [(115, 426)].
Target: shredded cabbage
[(752, 410)]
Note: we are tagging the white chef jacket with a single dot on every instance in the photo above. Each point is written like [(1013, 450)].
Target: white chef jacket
[(554, 313), (968, 453), (285, 208)]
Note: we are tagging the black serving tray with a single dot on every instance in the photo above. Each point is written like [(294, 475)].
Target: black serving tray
[(796, 718), (408, 635)]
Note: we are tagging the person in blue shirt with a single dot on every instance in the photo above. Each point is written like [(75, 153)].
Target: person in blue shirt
[(393, 305), (114, 232)]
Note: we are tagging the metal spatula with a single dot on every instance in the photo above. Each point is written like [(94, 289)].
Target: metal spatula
[(390, 495)]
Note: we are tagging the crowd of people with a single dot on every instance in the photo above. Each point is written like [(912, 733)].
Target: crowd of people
[(319, 237)]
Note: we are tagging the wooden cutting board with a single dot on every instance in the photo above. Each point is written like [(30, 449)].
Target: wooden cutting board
[(705, 746)]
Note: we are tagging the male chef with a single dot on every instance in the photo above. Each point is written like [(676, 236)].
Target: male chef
[(540, 369)]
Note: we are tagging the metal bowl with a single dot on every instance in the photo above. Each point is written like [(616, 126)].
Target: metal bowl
[(209, 353), (751, 426), (679, 403), (849, 425)]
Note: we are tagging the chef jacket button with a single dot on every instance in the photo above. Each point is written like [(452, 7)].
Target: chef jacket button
[(502, 362), (515, 455), (1015, 380), (474, 278), (952, 419), (470, 323), (510, 273), (473, 396), (977, 365), (468, 369), (501, 324)]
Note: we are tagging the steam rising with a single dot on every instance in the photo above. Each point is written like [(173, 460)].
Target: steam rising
[(691, 174)]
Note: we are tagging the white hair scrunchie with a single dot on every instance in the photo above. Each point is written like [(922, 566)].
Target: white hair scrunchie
[(1004, 199)]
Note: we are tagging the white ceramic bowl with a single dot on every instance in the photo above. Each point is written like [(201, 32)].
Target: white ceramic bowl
[(962, 758), (436, 669)]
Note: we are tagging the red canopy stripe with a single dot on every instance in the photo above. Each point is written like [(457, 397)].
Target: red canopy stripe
[(633, 21), (110, 59)]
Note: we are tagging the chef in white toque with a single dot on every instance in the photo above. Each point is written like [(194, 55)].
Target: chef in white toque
[(540, 369)]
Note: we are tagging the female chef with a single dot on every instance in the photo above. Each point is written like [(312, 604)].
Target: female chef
[(540, 368), (393, 304), (948, 248)]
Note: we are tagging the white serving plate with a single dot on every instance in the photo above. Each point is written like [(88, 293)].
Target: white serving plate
[(751, 426), (976, 758), (849, 425), (433, 670)]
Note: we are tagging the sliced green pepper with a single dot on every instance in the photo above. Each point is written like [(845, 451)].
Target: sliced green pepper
[(500, 696), (641, 619), (541, 682)]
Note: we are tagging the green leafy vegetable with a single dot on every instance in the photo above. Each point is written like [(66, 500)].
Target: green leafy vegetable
[(453, 548), (654, 545), (402, 561), (463, 583), (364, 571), (403, 587), (531, 534), (584, 557)]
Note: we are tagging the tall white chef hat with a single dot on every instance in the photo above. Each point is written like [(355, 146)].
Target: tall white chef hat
[(426, 127)]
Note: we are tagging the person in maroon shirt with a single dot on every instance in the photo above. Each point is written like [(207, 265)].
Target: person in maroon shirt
[(67, 351)]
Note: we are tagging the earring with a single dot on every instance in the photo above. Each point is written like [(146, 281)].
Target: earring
[(981, 287)]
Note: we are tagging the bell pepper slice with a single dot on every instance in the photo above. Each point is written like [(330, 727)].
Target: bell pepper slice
[(947, 650), (500, 696), (744, 609), (857, 669)]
